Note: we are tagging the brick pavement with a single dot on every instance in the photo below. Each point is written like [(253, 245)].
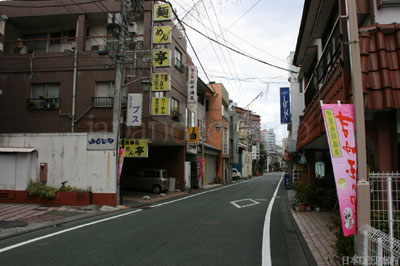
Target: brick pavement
[(315, 227), (20, 215)]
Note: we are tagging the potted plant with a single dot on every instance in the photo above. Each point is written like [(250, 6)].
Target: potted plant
[(303, 195)]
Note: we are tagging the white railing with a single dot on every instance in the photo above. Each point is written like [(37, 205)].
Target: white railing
[(378, 248), (385, 202)]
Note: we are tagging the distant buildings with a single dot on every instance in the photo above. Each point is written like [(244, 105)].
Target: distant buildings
[(269, 141)]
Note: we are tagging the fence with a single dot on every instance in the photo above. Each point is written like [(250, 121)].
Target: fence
[(385, 202), (378, 248)]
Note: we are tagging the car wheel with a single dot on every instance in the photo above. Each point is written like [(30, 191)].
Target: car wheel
[(156, 189)]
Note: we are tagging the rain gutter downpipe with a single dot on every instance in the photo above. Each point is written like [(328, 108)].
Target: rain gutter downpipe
[(74, 90)]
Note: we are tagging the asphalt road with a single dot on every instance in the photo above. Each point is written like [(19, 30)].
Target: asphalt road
[(217, 227)]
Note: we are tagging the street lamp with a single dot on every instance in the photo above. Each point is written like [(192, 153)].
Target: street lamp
[(146, 85)]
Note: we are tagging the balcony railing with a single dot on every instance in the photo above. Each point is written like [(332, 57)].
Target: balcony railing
[(326, 62), (102, 102), (43, 103), (109, 43), (48, 45)]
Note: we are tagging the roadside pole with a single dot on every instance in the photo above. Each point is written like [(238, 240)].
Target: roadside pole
[(363, 187), (120, 56)]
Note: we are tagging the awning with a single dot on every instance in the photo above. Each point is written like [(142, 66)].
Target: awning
[(16, 149)]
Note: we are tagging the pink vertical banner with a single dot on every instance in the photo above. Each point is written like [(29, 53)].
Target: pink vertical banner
[(120, 164), (339, 126), (201, 164)]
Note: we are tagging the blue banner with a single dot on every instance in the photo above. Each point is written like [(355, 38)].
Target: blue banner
[(285, 105)]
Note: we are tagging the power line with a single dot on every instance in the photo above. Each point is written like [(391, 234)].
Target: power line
[(238, 52)]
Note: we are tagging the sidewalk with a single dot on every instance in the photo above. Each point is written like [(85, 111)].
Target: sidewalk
[(315, 228)]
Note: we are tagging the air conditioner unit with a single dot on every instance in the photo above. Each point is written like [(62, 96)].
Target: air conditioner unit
[(113, 18), (132, 27), (98, 47)]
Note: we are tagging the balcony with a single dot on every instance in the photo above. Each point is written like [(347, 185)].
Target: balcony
[(39, 45), (102, 102), (43, 103), (109, 43), (330, 55)]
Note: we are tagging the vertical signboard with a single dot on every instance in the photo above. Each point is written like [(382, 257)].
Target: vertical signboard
[(161, 34), (193, 135), (160, 106), (162, 58), (161, 82), (339, 127), (134, 109), (201, 169), (254, 152), (162, 12), (285, 105), (192, 84)]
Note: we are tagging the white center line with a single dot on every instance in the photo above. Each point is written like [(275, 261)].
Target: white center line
[(266, 244)]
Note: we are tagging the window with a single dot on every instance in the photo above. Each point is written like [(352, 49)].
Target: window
[(103, 94), (175, 109), (45, 96), (178, 60), (174, 105)]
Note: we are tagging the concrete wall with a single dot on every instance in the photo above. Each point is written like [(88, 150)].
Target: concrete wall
[(386, 14), (68, 160)]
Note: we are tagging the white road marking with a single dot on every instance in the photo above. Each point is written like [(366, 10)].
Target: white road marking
[(266, 244), (235, 203), (114, 217), (66, 230)]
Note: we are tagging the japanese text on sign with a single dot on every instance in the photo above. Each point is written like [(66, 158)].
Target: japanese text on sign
[(162, 34), (134, 109), (162, 58), (135, 147), (160, 106), (161, 82), (192, 85), (285, 105), (339, 127), (333, 134), (100, 141), (162, 12)]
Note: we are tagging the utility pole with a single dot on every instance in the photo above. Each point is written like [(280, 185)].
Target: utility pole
[(363, 187), (119, 70)]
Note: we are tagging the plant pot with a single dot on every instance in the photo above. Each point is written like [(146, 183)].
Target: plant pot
[(302, 207), (296, 208), (317, 209), (308, 208)]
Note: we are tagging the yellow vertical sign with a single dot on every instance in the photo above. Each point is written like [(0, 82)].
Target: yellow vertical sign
[(162, 12), (193, 134), (333, 134), (135, 148), (160, 106), (162, 58), (162, 34), (161, 82)]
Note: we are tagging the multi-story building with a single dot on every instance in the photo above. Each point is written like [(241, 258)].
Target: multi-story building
[(57, 75), (269, 141), (249, 138), (218, 126), (323, 55)]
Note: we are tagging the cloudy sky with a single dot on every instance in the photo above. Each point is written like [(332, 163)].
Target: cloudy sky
[(265, 29)]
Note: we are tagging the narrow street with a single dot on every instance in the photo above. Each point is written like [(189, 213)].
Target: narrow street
[(223, 226)]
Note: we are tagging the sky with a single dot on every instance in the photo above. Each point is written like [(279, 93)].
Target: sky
[(264, 29)]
